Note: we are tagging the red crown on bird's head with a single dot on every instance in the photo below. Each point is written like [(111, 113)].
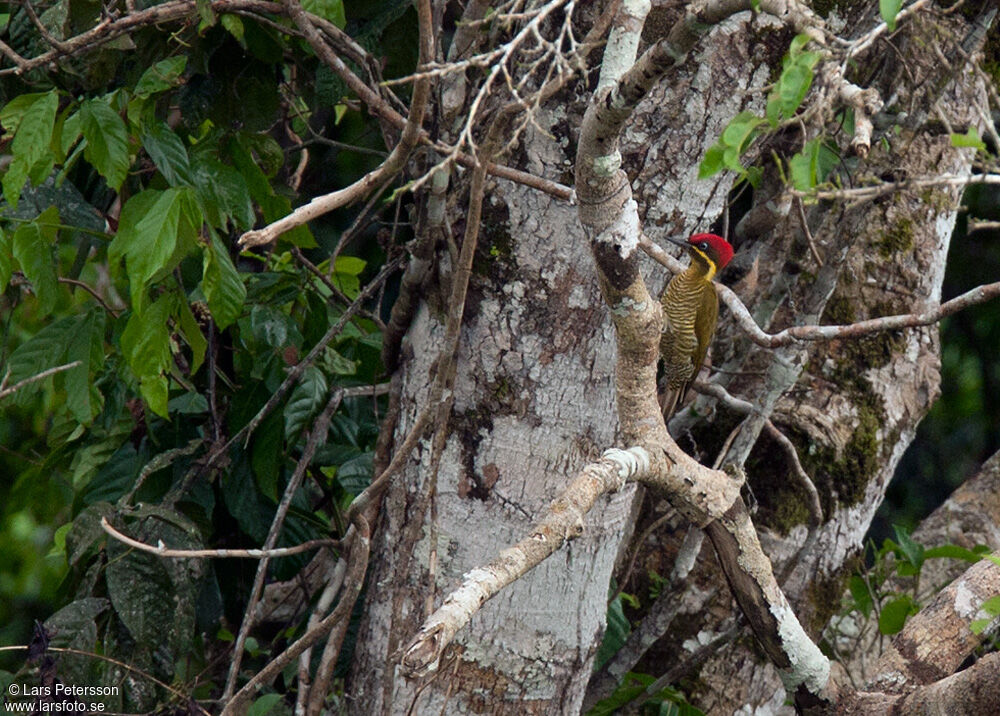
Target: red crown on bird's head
[(722, 249)]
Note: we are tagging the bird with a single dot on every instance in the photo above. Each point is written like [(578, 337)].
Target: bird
[(690, 310)]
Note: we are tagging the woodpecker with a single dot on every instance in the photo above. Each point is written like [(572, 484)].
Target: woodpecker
[(690, 309)]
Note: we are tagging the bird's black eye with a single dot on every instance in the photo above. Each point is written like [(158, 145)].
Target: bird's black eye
[(703, 246)]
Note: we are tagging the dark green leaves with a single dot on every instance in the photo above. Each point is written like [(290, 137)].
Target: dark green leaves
[(32, 247), (221, 285), (146, 346), (107, 141), (305, 401), (168, 153), (86, 345)]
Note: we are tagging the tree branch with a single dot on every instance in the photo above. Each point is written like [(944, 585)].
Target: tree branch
[(562, 522), (793, 334)]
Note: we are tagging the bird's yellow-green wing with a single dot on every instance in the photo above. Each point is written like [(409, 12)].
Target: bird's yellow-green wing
[(704, 326)]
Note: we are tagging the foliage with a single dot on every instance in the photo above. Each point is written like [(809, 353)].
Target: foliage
[(808, 167), (130, 176), (874, 591)]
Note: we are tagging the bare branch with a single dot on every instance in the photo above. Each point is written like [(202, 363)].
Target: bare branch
[(317, 435), (355, 577), (161, 550), (5, 391), (563, 521), (744, 320)]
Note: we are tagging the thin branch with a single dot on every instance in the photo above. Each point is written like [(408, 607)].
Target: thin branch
[(393, 164), (563, 521), (185, 698), (162, 550), (874, 191), (316, 436), (5, 391), (741, 314), (355, 577), (813, 503), (808, 233)]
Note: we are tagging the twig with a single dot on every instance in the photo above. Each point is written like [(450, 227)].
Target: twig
[(316, 436), (562, 521), (813, 503), (162, 550), (185, 698), (741, 314), (355, 578), (808, 233), (5, 391)]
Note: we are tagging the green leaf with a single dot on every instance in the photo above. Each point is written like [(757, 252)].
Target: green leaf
[(792, 88), (234, 25), (145, 344), (169, 154), (952, 551), (861, 594), (12, 112), (332, 10), (6, 260), (221, 284), (192, 335), (306, 399), (889, 10), (970, 139), (188, 404), (797, 45), (222, 190), (712, 163), (33, 250), (615, 635), (912, 551), (355, 474), (31, 144), (162, 76), (83, 398), (264, 705), (107, 141), (151, 224), (741, 130), (894, 614), (803, 166)]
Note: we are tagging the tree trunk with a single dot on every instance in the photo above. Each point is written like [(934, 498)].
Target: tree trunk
[(534, 399)]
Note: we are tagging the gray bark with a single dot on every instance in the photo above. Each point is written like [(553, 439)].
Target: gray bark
[(534, 399)]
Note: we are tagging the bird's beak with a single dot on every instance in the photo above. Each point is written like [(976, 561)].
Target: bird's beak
[(682, 244)]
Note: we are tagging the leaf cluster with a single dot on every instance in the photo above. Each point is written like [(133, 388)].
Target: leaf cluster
[(127, 179)]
